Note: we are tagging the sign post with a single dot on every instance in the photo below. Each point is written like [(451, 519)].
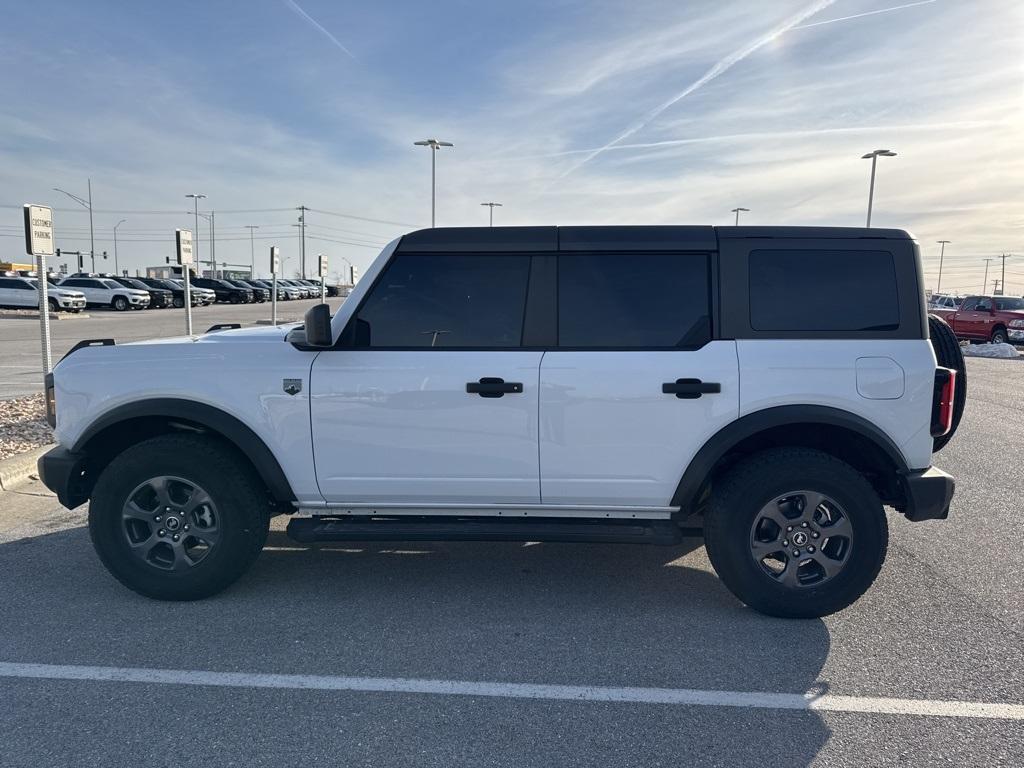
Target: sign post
[(183, 242), (323, 278), (274, 264), (39, 243)]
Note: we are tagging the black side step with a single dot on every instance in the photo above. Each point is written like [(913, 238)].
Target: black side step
[(308, 530)]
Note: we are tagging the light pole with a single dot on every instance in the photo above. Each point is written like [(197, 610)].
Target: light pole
[(492, 206), (117, 271), (873, 156), (942, 253), (88, 205), (737, 212), (985, 281), (1002, 282), (252, 247), (434, 145), (195, 210), (213, 245)]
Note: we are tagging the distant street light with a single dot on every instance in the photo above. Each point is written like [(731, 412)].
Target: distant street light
[(434, 145), (737, 212), (85, 204), (873, 157), (252, 247), (117, 271), (942, 253), (195, 242), (492, 206)]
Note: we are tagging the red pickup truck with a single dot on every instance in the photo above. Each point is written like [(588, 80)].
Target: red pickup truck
[(997, 319)]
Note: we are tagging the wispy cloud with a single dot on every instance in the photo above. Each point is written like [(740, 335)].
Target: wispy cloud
[(866, 13), (319, 27), (718, 68)]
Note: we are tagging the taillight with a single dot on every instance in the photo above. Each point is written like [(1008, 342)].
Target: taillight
[(942, 401), (51, 401)]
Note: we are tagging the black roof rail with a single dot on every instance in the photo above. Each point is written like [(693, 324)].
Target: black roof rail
[(89, 343)]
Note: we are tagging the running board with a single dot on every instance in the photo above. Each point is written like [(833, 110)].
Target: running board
[(308, 530)]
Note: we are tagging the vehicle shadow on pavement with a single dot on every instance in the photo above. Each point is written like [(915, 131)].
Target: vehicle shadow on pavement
[(570, 614)]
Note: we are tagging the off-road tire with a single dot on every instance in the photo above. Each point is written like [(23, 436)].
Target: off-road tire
[(233, 485), (949, 355), (736, 501)]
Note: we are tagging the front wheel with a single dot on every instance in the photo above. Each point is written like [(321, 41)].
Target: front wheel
[(795, 533), (120, 303), (178, 517), (54, 306), (179, 302), (999, 336)]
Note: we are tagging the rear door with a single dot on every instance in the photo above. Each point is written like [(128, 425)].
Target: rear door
[(432, 400), (636, 384), (15, 292), (970, 320)]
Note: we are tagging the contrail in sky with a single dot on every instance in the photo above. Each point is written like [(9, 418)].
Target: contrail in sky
[(866, 13), (295, 7), (720, 67)]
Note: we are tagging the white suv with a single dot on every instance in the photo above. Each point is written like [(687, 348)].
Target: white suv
[(104, 292), (608, 384), (24, 292)]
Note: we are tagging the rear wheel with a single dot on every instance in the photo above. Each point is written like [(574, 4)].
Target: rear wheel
[(178, 517), (949, 355), (795, 533), (120, 303)]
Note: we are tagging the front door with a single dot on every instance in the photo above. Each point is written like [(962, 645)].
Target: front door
[(636, 385), (433, 400)]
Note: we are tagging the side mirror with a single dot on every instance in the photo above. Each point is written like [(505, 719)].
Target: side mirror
[(318, 326)]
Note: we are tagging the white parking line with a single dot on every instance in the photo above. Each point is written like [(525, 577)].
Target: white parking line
[(677, 696)]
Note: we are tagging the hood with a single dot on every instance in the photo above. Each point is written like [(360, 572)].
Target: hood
[(257, 334), (68, 292)]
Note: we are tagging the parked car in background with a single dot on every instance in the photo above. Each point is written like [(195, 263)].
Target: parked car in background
[(259, 293), (18, 291), (996, 319), (106, 292), (284, 292), (205, 295), (224, 290), (305, 292), (942, 301), (177, 292), (158, 297)]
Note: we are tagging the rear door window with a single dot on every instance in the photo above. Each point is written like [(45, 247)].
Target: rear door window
[(822, 290), (633, 300)]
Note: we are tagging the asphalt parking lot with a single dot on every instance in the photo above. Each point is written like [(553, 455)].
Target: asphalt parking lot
[(20, 373), (510, 654)]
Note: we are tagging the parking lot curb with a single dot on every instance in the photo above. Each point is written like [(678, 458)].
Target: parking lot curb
[(17, 469), (35, 316)]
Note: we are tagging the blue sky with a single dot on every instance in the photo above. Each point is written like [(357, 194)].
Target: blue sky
[(566, 112)]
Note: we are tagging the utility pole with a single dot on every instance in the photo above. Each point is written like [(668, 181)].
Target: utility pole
[(117, 271), (213, 245), (302, 241), (434, 145), (985, 281), (1002, 282), (737, 212), (492, 206), (195, 212), (252, 247), (873, 157), (942, 253), (995, 286)]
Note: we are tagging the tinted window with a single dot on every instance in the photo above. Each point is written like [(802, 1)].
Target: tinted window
[(984, 305), (969, 304), (446, 302), (1009, 303), (71, 282), (110, 284), (6, 282), (633, 300), (818, 290)]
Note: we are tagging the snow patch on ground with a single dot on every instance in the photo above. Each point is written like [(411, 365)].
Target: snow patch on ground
[(1007, 351)]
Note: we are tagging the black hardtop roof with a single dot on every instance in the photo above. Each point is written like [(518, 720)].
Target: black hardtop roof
[(607, 238)]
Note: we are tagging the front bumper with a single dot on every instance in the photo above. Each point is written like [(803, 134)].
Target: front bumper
[(929, 493), (71, 303), (64, 473), (1016, 334)]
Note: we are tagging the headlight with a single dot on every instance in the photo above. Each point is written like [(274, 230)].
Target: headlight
[(1017, 323), (51, 401)]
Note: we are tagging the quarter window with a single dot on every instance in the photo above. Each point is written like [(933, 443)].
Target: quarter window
[(821, 290), (633, 300), (446, 302)]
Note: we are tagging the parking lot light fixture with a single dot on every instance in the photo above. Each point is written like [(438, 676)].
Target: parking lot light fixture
[(117, 271), (873, 157), (737, 212), (196, 197), (942, 253), (252, 246), (87, 204), (492, 206), (434, 145)]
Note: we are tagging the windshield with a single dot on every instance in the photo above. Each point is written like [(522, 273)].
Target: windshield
[(135, 284), (1009, 303)]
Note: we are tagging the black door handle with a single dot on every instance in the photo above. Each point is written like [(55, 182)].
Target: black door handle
[(690, 389), (492, 387)]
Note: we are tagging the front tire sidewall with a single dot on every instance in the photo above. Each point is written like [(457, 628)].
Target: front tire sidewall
[(243, 533), (120, 303), (727, 537), (999, 336)]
